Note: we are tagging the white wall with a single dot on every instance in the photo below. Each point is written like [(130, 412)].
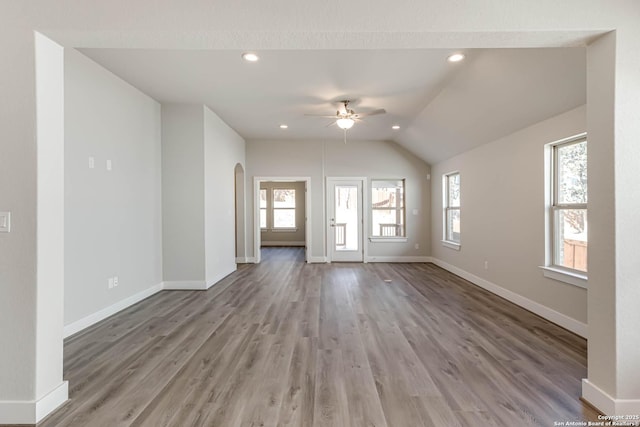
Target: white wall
[(112, 218), (223, 150), (182, 192), (502, 214), (321, 159), (199, 157)]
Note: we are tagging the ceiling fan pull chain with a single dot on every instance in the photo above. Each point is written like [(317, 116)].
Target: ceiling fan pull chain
[(345, 136)]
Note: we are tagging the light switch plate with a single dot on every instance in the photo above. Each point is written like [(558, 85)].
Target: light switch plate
[(5, 222)]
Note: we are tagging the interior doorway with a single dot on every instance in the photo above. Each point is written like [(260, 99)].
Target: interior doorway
[(282, 213)]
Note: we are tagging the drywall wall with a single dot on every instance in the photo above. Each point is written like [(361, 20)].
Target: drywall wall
[(269, 237), (183, 193), (112, 217), (503, 214), (368, 159), (224, 149)]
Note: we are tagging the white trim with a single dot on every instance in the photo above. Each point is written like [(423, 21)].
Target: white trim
[(563, 320), (388, 239), (243, 260), (602, 401), (317, 260), (570, 277), (399, 259), (185, 285), (96, 317), (283, 243), (282, 230), (451, 245), (30, 411)]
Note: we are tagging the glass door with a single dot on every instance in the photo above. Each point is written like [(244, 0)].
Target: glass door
[(345, 220)]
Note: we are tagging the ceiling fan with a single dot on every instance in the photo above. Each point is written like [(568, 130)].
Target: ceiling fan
[(347, 118)]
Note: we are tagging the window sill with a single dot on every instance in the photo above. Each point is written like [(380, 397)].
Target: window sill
[(388, 239), (576, 279), (451, 245), (284, 230)]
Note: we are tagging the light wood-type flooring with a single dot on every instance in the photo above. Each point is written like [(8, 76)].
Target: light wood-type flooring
[(285, 343)]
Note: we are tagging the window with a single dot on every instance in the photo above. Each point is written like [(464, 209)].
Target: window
[(284, 208), (263, 208), (387, 208), (451, 215), (568, 208)]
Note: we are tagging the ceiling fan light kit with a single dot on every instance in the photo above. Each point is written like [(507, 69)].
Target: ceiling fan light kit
[(345, 123), (347, 118)]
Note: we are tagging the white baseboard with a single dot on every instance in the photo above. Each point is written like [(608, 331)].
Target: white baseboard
[(33, 411), (317, 260), (277, 243), (243, 260), (91, 319), (607, 404), (185, 285), (566, 322), (398, 259)]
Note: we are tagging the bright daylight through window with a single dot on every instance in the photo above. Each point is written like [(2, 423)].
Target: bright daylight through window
[(568, 214), (263, 208), (387, 208), (284, 208), (452, 208)]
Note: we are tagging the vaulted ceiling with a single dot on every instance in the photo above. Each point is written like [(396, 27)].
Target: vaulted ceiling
[(442, 108)]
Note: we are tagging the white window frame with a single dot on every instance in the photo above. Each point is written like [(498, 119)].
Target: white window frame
[(551, 269), (400, 210), (274, 209), (451, 244)]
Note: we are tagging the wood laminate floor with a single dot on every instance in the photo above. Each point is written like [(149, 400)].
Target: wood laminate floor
[(286, 343)]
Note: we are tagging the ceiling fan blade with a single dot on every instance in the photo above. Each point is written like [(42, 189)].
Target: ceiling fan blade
[(372, 113), (322, 115)]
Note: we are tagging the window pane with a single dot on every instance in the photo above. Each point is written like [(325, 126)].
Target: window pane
[(453, 187), (387, 194), (284, 218), (453, 225), (284, 198), (263, 218), (572, 173), (571, 239), (387, 223), (263, 198)]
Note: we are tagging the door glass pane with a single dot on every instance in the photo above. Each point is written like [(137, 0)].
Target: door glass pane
[(571, 239), (346, 218)]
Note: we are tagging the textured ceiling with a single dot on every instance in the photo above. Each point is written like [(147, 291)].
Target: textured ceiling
[(443, 108)]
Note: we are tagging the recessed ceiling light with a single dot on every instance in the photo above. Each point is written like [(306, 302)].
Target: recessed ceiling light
[(456, 57), (395, 127), (250, 57), (284, 127)]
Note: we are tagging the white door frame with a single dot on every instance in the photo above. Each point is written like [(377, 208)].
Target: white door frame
[(364, 202), (256, 211)]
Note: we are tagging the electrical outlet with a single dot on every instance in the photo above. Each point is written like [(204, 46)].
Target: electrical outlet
[(417, 245), (110, 282), (486, 265), (115, 281)]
